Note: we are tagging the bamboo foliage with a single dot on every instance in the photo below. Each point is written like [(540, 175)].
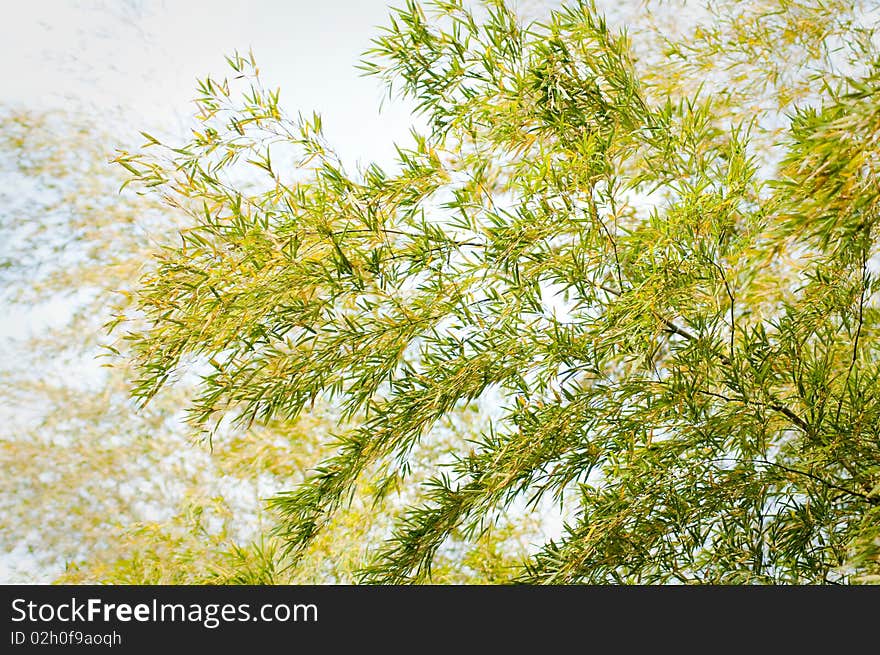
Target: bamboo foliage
[(97, 490), (662, 297)]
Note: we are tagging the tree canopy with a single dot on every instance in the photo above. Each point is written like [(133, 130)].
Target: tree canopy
[(646, 258), (95, 491)]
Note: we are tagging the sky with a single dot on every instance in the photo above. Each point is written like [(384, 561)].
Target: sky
[(135, 63), (139, 61)]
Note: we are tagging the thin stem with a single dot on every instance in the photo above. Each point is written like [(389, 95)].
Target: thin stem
[(855, 346), (831, 485)]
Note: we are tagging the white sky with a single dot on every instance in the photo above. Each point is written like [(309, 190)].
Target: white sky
[(136, 62), (141, 59)]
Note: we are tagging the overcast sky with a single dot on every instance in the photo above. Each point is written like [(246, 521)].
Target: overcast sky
[(135, 63), (140, 60)]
